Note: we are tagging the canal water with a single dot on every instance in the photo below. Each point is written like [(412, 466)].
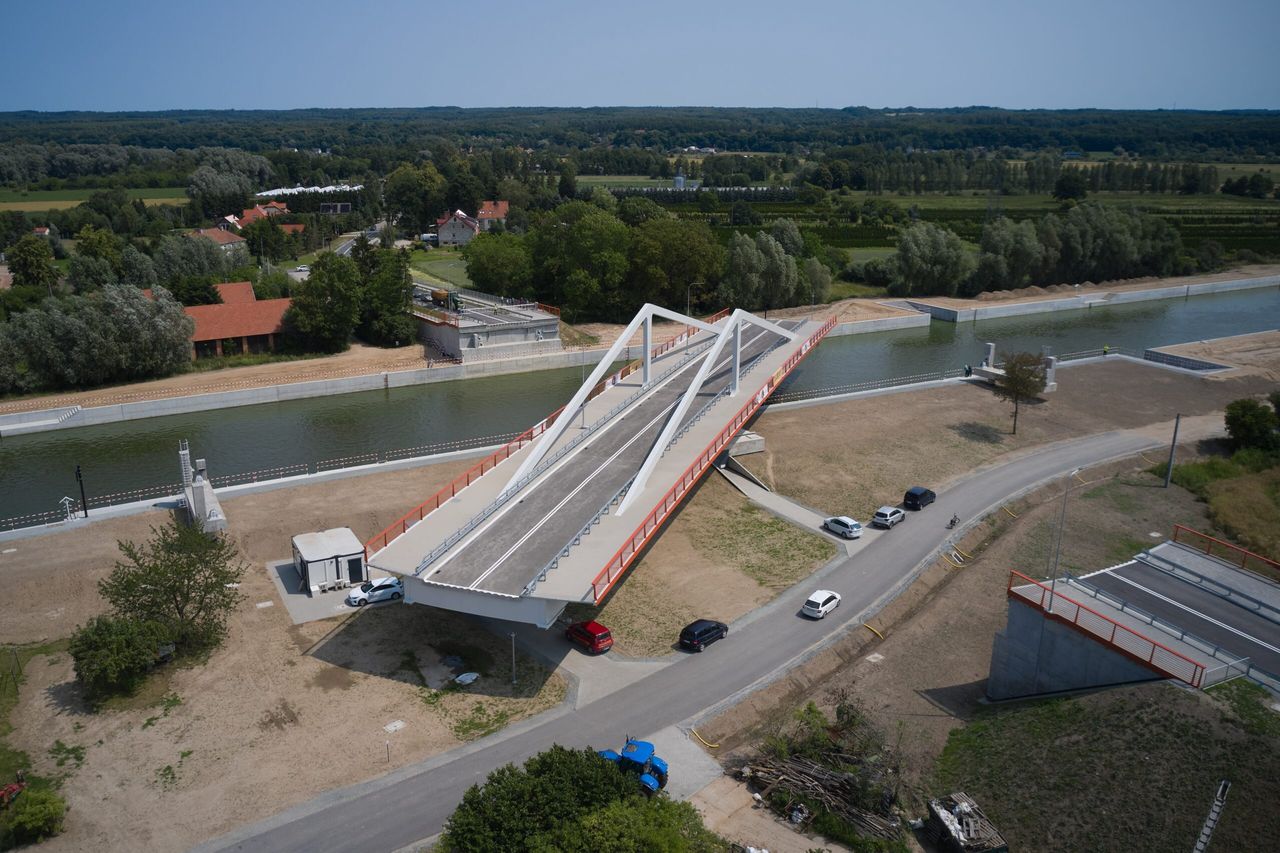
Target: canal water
[(36, 470)]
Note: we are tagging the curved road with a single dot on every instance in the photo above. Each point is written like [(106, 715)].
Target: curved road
[(412, 803)]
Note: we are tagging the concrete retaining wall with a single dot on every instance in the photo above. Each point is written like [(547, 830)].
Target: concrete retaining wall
[(47, 419), (884, 324), (1035, 655), (1093, 300)]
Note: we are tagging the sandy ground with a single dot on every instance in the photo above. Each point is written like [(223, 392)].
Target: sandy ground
[(273, 692), (1036, 294), (340, 682), (1258, 353), (940, 433)]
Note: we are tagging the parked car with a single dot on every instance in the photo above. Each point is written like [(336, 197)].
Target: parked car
[(592, 637), (696, 636), (843, 525), (822, 602), (887, 516), (302, 268), (381, 589), (918, 497)]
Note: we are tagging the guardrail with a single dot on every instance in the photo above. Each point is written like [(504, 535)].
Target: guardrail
[(1122, 638), (625, 555), (1234, 554), (1211, 586), (1232, 663)]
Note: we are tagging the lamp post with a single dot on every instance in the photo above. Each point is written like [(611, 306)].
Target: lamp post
[(513, 657), (84, 502), (1057, 548)]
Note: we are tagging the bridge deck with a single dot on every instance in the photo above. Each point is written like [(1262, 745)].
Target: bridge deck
[(511, 551)]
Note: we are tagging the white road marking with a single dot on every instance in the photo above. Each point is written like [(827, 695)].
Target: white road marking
[(1192, 610)]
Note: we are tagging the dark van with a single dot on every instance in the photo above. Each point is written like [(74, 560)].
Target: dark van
[(918, 497), (696, 636)]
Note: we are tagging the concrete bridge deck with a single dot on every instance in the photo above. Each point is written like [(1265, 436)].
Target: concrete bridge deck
[(559, 536)]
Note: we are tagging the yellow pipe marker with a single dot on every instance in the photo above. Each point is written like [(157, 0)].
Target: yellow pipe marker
[(704, 742), (954, 565), (1009, 511), (963, 554), (873, 630)]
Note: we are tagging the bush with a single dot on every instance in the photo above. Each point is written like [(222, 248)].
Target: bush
[(1251, 423), (37, 814), (113, 654), (1195, 477)]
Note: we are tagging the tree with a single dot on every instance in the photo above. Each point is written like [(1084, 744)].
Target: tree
[(326, 305), (385, 300), (182, 578), (568, 186), (31, 263), (1251, 423), (215, 193), (779, 276), (639, 825), (87, 273), (113, 654), (99, 243), (636, 210), (931, 261), (1023, 379), (787, 233), (674, 262), (742, 283), (1070, 186), (817, 277), (416, 196), (516, 808), (499, 264), (742, 213), (137, 269)]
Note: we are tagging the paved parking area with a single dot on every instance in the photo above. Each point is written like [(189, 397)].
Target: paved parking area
[(304, 607)]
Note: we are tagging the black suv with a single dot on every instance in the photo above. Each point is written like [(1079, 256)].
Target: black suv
[(696, 636), (918, 497)]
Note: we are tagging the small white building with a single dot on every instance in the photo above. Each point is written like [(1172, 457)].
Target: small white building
[(328, 560)]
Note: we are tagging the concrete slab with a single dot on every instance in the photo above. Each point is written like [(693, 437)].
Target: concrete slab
[(311, 608), (691, 768)]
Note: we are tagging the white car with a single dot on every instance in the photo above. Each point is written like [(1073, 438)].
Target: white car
[(303, 268), (382, 589), (888, 516), (843, 525), (820, 603)]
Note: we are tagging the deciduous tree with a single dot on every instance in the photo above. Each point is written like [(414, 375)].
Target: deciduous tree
[(326, 306), (30, 263), (1023, 379)]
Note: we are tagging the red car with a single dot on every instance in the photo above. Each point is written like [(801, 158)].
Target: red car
[(592, 637)]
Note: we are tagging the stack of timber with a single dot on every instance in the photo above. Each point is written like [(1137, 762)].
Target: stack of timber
[(835, 790)]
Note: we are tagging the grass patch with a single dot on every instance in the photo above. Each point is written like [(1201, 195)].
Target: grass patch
[(1112, 493), (441, 265), (1251, 705), (64, 754), (772, 552), (572, 337), (481, 721), (205, 365), (13, 660), (1098, 758), (854, 289), (1247, 508)]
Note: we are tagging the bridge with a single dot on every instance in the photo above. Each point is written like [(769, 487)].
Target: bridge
[(560, 513)]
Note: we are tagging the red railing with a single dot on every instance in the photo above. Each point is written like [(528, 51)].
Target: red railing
[(1123, 639), (403, 523), (1234, 553), (549, 309), (622, 559)]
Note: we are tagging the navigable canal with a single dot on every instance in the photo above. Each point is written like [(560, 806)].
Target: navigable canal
[(36, 470)]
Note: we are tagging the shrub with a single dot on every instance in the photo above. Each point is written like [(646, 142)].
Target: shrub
[(1252, 424), (113, 654), (1195, 477), (37, 814)]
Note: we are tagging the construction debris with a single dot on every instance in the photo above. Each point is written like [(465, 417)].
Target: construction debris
[(956, 823), (835, 790)]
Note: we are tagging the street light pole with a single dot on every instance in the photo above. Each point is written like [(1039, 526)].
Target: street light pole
[(84, 502), (1057, 550), (513, 657)]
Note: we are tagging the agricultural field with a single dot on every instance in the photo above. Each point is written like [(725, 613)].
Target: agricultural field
[(611, 182), (40, 200)]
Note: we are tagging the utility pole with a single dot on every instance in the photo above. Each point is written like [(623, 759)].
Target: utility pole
[(1057, 550), (513, 657), (1173, 445)]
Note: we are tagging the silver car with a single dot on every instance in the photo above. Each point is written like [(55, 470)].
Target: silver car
[(887, 516), (843, 525), (382, 589)]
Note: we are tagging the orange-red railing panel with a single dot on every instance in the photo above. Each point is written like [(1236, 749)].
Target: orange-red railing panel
[(1123, 638), (622, 559), (1211, 546)]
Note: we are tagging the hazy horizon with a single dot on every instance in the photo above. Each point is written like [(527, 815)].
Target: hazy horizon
[(149, 55)]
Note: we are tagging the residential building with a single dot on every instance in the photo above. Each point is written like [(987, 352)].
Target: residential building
[(491, 213), (457, 229), (225, 239), (242, 323), (41, 231)]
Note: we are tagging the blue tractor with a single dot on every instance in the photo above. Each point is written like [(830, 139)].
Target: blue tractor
[(638, 758)]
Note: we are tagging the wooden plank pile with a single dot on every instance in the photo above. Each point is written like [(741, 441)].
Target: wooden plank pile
[(835, 790)]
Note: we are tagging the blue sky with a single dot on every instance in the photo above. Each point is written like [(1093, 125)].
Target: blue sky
[(279, 54)]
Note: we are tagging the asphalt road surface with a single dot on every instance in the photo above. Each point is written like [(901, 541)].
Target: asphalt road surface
[(517, 542), (413, 803), (1210, 617)]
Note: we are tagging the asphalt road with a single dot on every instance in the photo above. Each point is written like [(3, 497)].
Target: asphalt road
[(413, 803), (518, 541), (1210, 617)]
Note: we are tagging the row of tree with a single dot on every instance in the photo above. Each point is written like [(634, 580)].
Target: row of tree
[(1090, 242), (114, 335)]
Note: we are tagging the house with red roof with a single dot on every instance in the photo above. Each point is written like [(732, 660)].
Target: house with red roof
[(457, 229), (242, 323), (492, 213), (227, 241)]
